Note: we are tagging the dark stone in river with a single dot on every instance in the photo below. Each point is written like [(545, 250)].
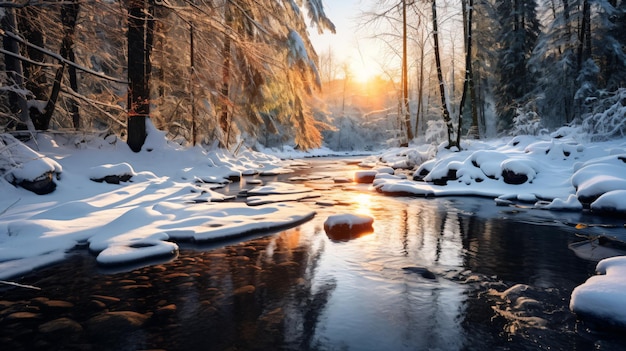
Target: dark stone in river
[(364, 177), (451, 175), (513, 178), (51, 305), (112, 324), (424, 272), (61, 326), (419, 176), (165, 312), (355, 226), (244, 290)]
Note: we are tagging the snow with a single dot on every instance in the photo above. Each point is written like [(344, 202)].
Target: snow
[(170, 195), (348, 219), (166, 200), (562, 173), (602, 296), (102, 171), (24, 163)]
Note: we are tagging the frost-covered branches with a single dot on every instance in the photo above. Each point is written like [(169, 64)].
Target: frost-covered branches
[(608, 120), (235, 60)]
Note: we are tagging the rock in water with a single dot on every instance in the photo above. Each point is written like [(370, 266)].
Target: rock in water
[(365, 177), (424, 272), (344, 227)]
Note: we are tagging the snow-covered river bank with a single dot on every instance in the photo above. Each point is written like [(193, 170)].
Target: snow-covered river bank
[(502, 276)]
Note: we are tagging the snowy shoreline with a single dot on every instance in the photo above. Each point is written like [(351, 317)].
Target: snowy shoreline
[(163, 196)]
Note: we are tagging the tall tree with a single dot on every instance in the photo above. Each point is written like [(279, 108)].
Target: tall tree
[(405, 77), (69, 16), (226, 63), (442, 90), (139, 48), (15, 75), (29, 20), (519, 30), (556, 62), (468, 83)]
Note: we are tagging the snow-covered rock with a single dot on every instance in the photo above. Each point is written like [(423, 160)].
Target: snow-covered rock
[(112, 173), (344, 227), (365, 176), (24, 167), (601, 176), (601, 298), (555, 174)]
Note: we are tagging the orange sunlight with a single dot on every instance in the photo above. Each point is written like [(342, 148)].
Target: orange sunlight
[(363, 204), (363, 73)]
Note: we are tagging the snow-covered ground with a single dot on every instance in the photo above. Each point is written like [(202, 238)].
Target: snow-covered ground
[(169, 197)]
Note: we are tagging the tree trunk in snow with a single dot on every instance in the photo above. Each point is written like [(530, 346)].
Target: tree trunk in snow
[(405, 79), (420, 86), (28, 21), (15, 75), (69, 14), (226, 53), (442, 91), (138, 73), (468, 84)]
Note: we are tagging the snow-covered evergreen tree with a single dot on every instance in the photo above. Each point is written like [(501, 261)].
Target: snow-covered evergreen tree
[(519, 30)]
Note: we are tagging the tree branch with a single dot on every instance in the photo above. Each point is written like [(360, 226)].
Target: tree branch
[(60, 58)]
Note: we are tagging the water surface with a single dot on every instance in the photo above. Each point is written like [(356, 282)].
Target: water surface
[(503, 278)]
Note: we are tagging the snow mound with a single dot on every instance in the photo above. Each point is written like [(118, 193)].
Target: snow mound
[(601, 297), (22, 166), (112, 173), (600, 176), (554, 174)]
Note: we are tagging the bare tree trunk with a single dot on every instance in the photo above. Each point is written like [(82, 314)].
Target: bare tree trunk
[(420, 87), (138, 73), (14, 70), (442, 91), (54, 94), (68, 18), (69, 15), (468, 84), (405, 79), (192, 73), (226, 54), (582, 32), (29, 26)]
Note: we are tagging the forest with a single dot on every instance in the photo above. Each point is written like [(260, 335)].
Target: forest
[(243, 72)]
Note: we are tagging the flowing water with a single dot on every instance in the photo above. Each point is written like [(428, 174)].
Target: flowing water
[(435, 274)]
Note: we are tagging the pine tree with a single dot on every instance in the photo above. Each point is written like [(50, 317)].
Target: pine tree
[(519, 30)]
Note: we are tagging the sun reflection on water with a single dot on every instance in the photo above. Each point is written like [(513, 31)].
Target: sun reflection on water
[(363, 204)]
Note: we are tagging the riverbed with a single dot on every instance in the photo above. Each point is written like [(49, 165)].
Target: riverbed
[(455, 273)]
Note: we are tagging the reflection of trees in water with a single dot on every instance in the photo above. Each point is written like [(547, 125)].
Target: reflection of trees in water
[(434, 233), (430, 236), (504, 251), (272, 302)]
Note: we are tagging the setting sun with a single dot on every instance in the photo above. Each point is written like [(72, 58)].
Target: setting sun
[(362, 72)]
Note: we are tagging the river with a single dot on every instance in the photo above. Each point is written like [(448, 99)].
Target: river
[(435, 274)]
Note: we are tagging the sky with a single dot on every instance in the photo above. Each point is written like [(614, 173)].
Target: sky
[(350, 44)]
